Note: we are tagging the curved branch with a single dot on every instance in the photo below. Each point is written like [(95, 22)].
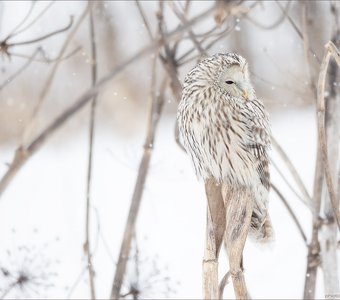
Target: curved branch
[(44, 37), (291, 212), (330, 50)]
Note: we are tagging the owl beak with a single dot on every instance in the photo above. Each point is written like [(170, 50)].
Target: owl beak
[(245, 95)]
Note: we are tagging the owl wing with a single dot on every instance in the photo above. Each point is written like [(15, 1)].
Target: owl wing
[(259, 141)]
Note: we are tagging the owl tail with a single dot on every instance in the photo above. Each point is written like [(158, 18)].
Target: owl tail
[(261, 229), (261, 232)]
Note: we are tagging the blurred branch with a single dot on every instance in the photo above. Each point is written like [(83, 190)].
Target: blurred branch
[(182, 17), (28, 14), (155, 109), (276, 167), (307, 198), (306, 47), (22, 154), (33, 58), (145, 20), (296, 28), (44, 37), (291, 212), (17, 31), (275, 24), (87, 244), (20, 70)]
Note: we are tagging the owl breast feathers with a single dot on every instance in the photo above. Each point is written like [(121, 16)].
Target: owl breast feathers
[(225, 128)]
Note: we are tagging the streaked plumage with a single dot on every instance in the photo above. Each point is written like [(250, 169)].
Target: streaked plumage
[(225, 130)]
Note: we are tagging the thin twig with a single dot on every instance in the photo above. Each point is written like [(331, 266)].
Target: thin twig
[(145, 20), (44, 37), (33, 21), (276, 167), (293, 172), (291, 212), (44, 56), (21, 23), (47, 86), (20, 70), (87, 244), (313, 258), (183, 19), (33, 58), (275, 24), (296, 28)]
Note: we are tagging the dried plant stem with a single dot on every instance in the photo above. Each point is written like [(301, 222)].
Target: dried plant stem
[(328, 230), (215, 228), (313, 258), (87, 244), (22, 154), (155, 109), (330, 50), (238, 203)]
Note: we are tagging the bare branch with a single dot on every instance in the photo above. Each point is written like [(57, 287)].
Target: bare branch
[(33, 21), (272, 162), (22, 22), (87, 244), (145, 20), (291, 212), (275, 24), (31, 121), (33, 58), (44, 37)]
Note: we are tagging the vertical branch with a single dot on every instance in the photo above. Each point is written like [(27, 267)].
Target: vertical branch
[(328, 232), (313, 257), (155, 109), (215, 228), (87, 244)]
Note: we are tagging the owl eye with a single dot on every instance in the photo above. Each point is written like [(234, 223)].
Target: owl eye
[(229, 82)]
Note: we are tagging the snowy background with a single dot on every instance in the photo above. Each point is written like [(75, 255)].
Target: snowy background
[(42, 212)]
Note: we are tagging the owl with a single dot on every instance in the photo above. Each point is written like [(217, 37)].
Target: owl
[(225, 130)]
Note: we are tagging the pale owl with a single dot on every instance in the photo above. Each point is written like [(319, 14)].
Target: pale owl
[(225, 130)]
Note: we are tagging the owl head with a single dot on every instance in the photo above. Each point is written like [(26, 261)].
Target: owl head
[(227, 72)]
